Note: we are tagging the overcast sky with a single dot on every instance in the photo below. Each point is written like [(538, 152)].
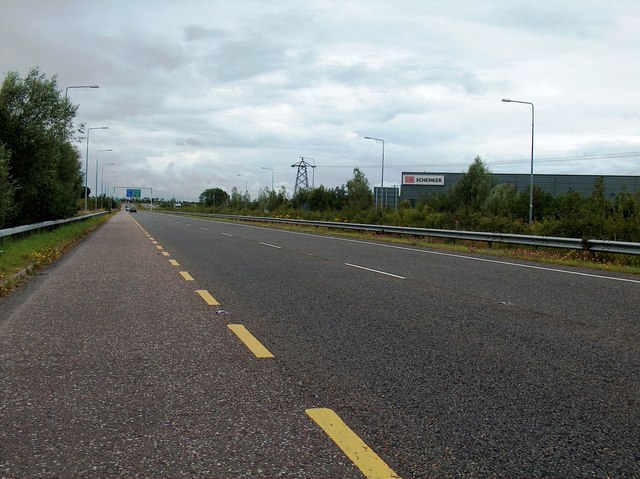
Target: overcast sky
[(196, 93)]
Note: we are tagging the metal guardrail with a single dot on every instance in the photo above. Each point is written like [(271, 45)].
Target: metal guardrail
[(621, 247), (602, 246), (4, 233)]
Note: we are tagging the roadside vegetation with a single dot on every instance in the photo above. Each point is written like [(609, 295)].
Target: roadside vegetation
[(40, 177), (30, 254)]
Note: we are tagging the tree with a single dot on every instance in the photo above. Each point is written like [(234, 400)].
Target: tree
[(625, 222), (214, 197), (36, 127), (320, 199), (598, 203), (59, 191), (359, 195), (237, 199), (269, 200), (472, 189), (502, 200), (7, 188)]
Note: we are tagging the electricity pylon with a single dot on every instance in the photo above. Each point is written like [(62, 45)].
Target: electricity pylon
[(302, 178)]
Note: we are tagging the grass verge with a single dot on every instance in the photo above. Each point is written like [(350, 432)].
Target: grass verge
[(24, 256)]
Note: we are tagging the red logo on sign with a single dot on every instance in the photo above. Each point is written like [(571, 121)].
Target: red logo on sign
[(409, 179)]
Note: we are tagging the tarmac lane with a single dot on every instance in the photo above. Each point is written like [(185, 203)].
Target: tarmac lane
[(446, 364), (112, 364)]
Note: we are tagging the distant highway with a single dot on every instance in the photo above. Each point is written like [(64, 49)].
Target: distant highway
[(445, 364)]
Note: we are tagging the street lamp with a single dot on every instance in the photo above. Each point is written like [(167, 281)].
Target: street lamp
[(246, 190), (102, 188), (66, 91), (265, 168), (86, 164), (108, 186), (382, 180), (97, 168), (531, 176)]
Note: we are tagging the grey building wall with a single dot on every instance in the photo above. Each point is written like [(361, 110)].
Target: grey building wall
[(389, 197), (554, 184)]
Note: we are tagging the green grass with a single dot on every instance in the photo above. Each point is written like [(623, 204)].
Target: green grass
[(39, 250)]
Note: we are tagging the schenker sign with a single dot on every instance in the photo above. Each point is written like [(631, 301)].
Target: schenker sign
[(424, 180)]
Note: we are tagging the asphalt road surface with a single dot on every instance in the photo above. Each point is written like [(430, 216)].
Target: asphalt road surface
[(444, 365)]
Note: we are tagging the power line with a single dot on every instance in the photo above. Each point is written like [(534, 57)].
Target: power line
[(504, 162), (565, 158)]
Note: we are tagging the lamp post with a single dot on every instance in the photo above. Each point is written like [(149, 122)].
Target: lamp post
[(382, 179), (102, 188), (108, 186), (97, 168), (246, 190), (86, 164), (66, 91), (531, 175), (265, 168)]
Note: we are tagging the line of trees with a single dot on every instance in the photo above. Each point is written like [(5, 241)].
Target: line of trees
[(474, 203), (40, 177)]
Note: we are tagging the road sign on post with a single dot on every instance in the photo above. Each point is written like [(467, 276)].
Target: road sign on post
[(133, 193)]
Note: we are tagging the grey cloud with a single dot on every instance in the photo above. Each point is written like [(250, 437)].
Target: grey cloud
[(356, 74), (134, 52), (189, 142), (243, 59), (400, 75), (569, 18), (197, 32)]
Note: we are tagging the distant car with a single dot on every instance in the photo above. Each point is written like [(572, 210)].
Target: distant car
[(127, 207), (133, 209)]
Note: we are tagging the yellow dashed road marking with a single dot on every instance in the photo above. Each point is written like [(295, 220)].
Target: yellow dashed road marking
[(210, 300), (174, 262), (164, 253), (186, 276), (250, 341), (159, 247), (360, 454)]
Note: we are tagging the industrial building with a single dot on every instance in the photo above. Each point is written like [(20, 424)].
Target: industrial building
[(417, 184)]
